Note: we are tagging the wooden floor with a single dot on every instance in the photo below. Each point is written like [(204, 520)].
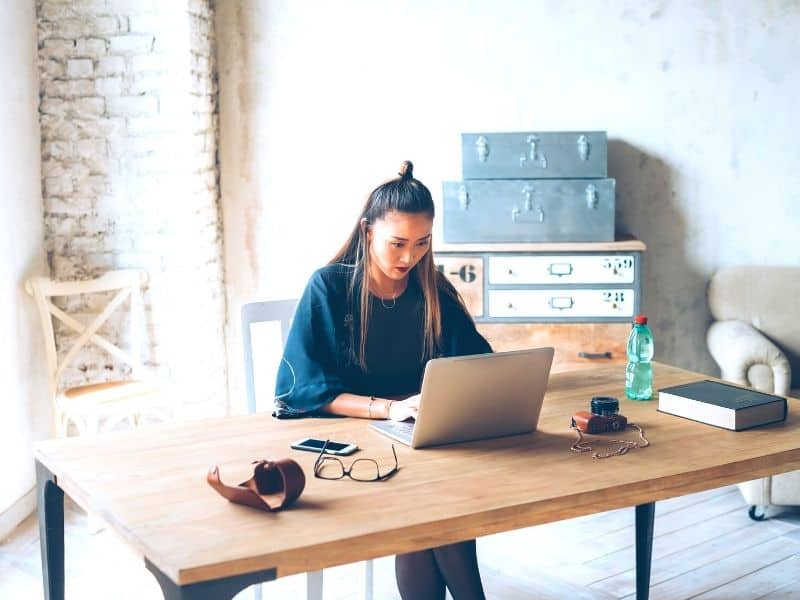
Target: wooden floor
[(705, 547)]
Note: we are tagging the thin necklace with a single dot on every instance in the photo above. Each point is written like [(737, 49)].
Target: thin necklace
[(384, 305)]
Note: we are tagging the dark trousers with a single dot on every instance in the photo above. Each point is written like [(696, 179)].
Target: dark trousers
[(423, 575)]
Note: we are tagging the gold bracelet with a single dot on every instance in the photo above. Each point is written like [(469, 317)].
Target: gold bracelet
[(389, 408), (369, 409)]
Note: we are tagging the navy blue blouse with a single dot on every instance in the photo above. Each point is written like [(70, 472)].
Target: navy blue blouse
[(319, 361)]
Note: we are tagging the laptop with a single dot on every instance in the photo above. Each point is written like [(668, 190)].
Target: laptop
[(476, 397)]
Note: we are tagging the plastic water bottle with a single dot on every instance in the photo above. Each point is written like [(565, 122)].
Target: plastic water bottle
[(639, 373)]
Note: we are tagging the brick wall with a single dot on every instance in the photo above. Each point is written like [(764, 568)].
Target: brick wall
[(129, 175)]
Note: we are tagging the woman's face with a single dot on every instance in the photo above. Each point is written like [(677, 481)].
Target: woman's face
[(397, 242)]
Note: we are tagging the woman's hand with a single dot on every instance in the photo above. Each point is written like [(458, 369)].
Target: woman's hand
[(402, 410)]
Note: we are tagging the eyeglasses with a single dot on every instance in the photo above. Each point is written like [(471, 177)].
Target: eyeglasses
[(361, 469)]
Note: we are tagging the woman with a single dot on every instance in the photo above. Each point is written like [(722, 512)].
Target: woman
[(363, 330)]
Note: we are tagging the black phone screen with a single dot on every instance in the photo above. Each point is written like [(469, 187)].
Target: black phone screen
[(318, 444)]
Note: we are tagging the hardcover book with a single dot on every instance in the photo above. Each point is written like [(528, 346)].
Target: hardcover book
[(722, 405)]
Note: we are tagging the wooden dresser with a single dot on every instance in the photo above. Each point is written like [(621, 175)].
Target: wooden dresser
[(579, 298)]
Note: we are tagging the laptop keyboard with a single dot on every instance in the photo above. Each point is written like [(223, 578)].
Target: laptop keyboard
[(399, 429)]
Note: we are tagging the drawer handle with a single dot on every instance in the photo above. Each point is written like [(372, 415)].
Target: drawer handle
[(594, 355), (528, 193), (533, 142), (584, 147), (592, 197), (482, 148), (463, 198), (561, 302), (517, 215), (533, 154), (560, 269)]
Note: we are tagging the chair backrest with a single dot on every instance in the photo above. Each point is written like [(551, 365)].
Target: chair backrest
[(127, 283), (280, 311), (764, 297)]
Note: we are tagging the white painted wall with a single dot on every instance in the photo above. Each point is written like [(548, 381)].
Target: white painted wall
[(321, 101), (24, 409)]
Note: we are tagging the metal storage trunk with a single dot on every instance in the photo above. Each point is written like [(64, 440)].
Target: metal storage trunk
[(563, 210), (535, 155)]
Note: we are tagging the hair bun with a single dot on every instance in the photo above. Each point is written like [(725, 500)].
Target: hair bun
[(406, 170)]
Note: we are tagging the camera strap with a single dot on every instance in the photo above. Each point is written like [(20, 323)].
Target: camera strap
[(581, 445)]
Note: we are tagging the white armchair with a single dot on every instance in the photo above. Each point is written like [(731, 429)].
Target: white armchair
[(755, 340)]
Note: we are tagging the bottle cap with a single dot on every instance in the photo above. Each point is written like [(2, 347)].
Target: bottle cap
[(640, 320)]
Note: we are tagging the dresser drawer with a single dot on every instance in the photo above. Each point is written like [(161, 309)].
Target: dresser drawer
[(577, 345), (561, 269), (561, 303), (534, 154)]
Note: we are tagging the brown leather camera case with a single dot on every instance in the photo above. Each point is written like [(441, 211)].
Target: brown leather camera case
[(274, 485), (581, 420), (588, 422)]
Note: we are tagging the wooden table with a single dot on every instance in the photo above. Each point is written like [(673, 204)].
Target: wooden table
[(149, 485)]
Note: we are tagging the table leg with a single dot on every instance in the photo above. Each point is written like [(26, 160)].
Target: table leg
[(50, 507), (217, 589), (645, 517)]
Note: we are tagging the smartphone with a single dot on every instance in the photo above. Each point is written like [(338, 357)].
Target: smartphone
[(315, 445)]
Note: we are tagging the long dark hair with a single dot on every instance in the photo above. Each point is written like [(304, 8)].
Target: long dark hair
[(402, 194)]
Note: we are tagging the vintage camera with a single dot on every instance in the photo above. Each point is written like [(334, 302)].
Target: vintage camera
[(603, 417)]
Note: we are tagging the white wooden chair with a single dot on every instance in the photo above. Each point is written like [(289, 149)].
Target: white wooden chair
[(95, 406), (279, 311)]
